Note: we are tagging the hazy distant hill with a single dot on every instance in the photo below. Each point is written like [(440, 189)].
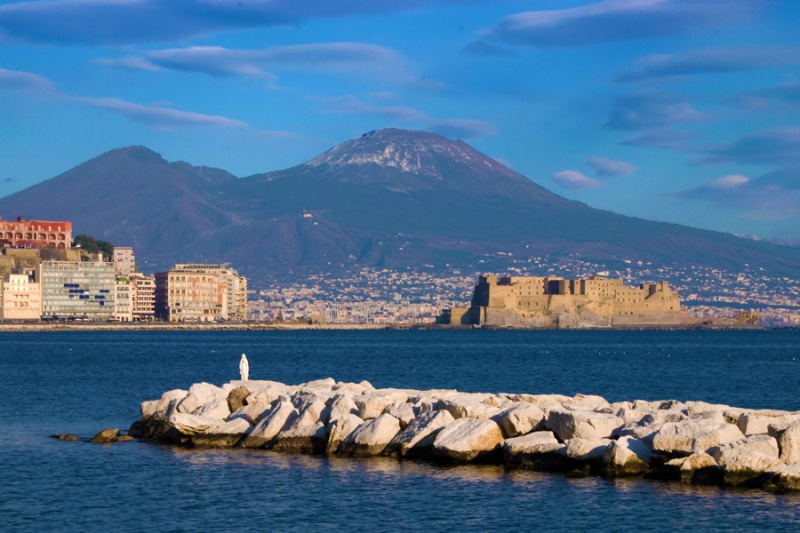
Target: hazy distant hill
[(391, 198)]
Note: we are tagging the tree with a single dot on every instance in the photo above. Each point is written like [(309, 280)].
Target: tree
[(92, 245)]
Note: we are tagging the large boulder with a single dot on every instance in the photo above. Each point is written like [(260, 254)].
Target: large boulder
[(757, 443), (789, 444), (700, 468), (236, 397), (372, 404), (698, 433), (265, 431), (341, 405), (209, 432), (468, 439), (404, 412), (586, 450), (251, 412), (214, 409), (539, 450), (338, 430), (520, 419), (159, 407), (569, 424), (302, 437), (627, 456), (744, 467), (371, 437), (465, 405), (200, 394), (756, 422), (417, 439), (266, 391)]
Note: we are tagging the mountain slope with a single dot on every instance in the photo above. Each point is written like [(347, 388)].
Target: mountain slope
[(391, 198)]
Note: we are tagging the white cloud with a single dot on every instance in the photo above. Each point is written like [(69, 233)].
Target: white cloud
[(730, 181), (159, 116), (610, 167), (572, 179)]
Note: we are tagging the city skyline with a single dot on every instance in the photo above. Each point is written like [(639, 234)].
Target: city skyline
[(671, 110)]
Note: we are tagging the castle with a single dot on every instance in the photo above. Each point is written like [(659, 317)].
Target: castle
[(554, 302)]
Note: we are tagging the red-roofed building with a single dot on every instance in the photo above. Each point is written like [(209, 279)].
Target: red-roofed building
[(35, 233)]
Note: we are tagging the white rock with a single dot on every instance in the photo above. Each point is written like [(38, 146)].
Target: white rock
[(251, 412), (789, 444), (586, 402), (302, 438), (752, 468), (372, 404), (756, 422), (467, 439), (214, 409), (698, 433), (339, 428), (520, 419), (265, 431), (404, 412), (320, 385), (584, 449), (354, 389), (200, 394), (627, 456), (371, 437), (420, 433), (266, 391), (757, 443), (569, 424), (466, 405), (341, 405), (526, 448), (194, 425), (159, 407), (700, 468)]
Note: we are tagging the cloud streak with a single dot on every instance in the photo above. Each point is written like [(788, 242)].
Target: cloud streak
[(118, 22), (710, 61), (338, 58), (775, 147), (620, 20), (156, 116), (576, 181), (609, 167), (25, 82), (650, 110)]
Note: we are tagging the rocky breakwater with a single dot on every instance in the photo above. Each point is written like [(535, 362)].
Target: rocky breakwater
[(691, 442)]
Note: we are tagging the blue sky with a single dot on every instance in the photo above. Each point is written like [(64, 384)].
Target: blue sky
[(676, 110)]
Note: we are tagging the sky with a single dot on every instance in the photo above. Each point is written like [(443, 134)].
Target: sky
[(683, 111)]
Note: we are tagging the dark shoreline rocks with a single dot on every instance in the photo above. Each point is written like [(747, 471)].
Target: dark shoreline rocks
[(690, 442)]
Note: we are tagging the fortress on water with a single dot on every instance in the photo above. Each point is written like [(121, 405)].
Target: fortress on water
[(554, 302)]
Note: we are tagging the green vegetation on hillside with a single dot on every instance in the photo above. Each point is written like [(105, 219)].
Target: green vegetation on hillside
[(92, 245)]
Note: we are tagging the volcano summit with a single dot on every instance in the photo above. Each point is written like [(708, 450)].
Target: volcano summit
[(389, 199)]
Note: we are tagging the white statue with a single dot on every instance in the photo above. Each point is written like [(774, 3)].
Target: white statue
[(244, 368)]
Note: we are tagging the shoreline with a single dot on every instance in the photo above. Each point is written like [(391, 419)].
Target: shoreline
[(263, 326)]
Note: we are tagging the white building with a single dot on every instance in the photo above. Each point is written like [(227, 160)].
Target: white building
[(123, 301), (77, 290), (20, 298), (124, 261)]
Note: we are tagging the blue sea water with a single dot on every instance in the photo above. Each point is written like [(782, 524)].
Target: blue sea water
[(81, 382)]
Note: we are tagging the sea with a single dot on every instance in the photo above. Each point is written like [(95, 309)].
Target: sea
[(81, 382)]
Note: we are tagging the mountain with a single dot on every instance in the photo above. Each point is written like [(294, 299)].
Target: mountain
[(389, 199)]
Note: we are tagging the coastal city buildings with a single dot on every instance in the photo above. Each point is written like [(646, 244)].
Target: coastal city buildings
[(124, 261), (35, 233), (77, 289), (20, 298), (123, 300), (143, 297), (200, 293)]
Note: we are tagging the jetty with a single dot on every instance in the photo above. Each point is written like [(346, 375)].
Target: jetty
[(691, 442)]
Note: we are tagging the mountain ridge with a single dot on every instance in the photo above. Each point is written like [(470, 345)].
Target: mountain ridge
[(389, 199)]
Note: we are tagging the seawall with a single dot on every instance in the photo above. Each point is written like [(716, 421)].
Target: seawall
[(687, 441)]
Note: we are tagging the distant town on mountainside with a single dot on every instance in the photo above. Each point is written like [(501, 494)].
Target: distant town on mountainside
[(44, 277)]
